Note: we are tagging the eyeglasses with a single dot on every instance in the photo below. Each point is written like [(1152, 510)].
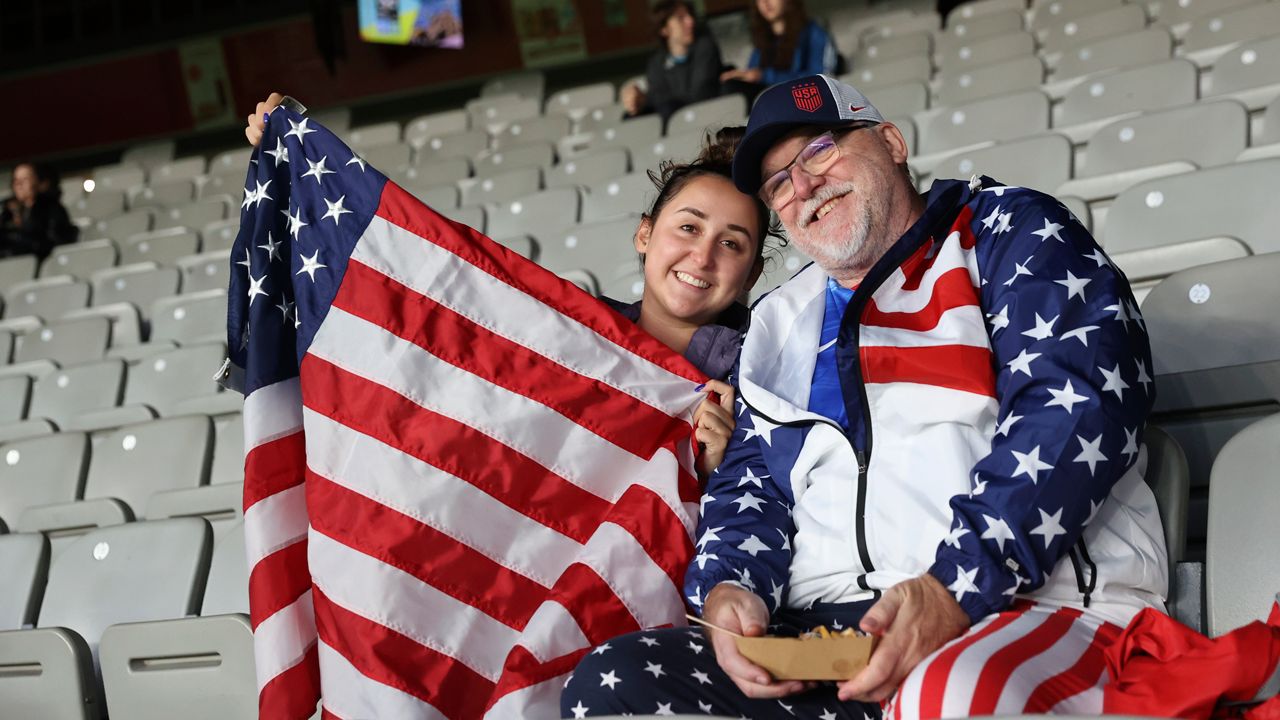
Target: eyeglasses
[(815, 159)]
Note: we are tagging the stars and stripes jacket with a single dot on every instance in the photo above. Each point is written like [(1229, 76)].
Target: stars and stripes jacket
[(999, 369)]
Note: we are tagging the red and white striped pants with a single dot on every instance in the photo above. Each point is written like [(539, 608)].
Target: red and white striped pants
[(1028, 659)]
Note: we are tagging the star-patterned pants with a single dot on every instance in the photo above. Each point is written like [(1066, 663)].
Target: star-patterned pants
[(674, 670), (1030, 659)]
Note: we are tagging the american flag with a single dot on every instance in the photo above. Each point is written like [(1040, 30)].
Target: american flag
[(461, 472)]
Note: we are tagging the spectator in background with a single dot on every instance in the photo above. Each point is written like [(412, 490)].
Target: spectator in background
[(32, 220), (788, 45), (684, 69)]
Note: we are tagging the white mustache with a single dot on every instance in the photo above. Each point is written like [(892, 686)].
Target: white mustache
[(820, 198)]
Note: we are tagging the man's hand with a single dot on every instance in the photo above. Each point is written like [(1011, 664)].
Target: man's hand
[(752, 75), (733, 608), (256, 125), (713, 425), (914, 618)]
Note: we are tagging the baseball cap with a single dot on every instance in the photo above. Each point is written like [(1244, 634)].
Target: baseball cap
[(819, 100)]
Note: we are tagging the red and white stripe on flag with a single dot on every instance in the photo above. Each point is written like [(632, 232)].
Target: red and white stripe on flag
[(479, 473)]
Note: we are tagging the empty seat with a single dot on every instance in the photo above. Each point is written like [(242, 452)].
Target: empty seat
[(370, 136), (992, 119), (676, 148), (534, 130), (708, 115), (194, 215), (458, 144), (440, 197), (501, 187), (541, 214), (122, 177), (600, 116), (80, 260), (1211, 33), (495, 112), (99, 204), (6, 346), (539, 154), (140, 284), (206, 271), (438, 170), (24, 564), (1249, 73), (337, 119), (598, 248), (235, 160), (1045, 14), (1241, 574), (471, 216), (1177, 12), (228, 452), (927, 21), (984, 51), (636, 132), (424, 127), (528, 83), (40, 471), (392, 159), (15, 395), (222, 505), (1068, 34), (166, 194), (66, 341), (187, 168), (626, 195), (1042, 162), (149, 154), (162, 247), (127, 573), (589, 169), (169, 377), (966, 84), (902, 99), (124, 225), (16, 270), (892, 47), (961, 29), (49, 298), (190, 318), (1117, 51), (980, 8), (575, 101), (1146, 87), (914, 69), (69, 392)]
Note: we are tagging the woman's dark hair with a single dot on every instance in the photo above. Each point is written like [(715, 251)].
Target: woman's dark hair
[(776, 52), (715, 159), (662, 12)]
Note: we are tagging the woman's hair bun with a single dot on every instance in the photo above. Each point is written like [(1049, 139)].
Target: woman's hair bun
[(719, 148)]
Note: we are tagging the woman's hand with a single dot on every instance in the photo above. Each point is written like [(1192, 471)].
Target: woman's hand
[(751, 75), (743, 612), (253, 131), (633, 98), (713, 425)]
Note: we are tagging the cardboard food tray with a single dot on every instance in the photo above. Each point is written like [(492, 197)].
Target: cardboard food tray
[(834, 658)]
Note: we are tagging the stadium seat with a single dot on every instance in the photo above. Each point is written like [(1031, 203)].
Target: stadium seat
[(164, 379), (1045, 13), (626, 283), (165, 194), (16, 270), (598, 117), (128, 573), (81, 259), (190, 318), (222, 505), (392, 159), (542, 214), (40, 471), (187, 168), (524, 245), (235, 161), (599, 248), (979, 8), (6, 346), (589, 169), (1042, 162), (913, 69), (74, 390), (967, 84), (1066, 34), (927, 21), (1266, 140), (497, 162), (574, 102), (676, 148), (24, 564), (964, 29), (440, 197), (501, 187), (1249, 73), (471, 216), (1171, 13), (140, 284), (456, 144), (1241, 573), (1159, 143), (1094, 102), (337, 119), (424, 127), (1170, 479), (1211, 35), (1109, 53), (228, 451), (860, 21), (534, 130), (206, 271), (494, 113), (15, 396), (902, 99), (985, 51), (149, 155), (99, 204), (195, 215), (48, 298), (65, 341), (123, 176), (438, 171), (528, 84), (626, 195), (228, 587), (367, 137), (708, 115), (124, 225), (1003, 117), (892, 47)]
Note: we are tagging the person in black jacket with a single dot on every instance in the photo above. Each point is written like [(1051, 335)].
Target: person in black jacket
[(684, 69), (33, 220)]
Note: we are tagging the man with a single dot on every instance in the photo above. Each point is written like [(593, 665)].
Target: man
[(938, 441)]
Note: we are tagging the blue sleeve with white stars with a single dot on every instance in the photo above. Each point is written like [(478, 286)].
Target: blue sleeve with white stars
[(745, 526), (1072, 361)]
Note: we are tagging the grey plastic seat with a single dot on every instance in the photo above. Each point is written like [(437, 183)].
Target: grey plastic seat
[(575, 101), (1046, 13), (984, 51), (495, 112), (1209, 34), (1003, 117), (1266, 143), (963, 28), (81, 259), (471, 216), (140, 284), (15, 395), (228, 450), (162, 247), (166, 194), (126, 573), (40, 471), (599, 116), (366, 137), (1137, 89), (893, 47), (100, 204), (676, 148), (708, 115), (24, 564), (1117, 51), (1241, 572), (626, 195), (588, 170), (196, 214), (635, 132), (424, 127), (186, 168), (902, 99), (435, 171), (980, 8), (206, 271), (337, 119), (440, 197), (66, 341), (49, 298), (69, 392), (533, 130), (1249, 73), (149, 154), (190, 318), (392, 158), (457, 144), (541, 214), (1178, 12), (169, 377), (913, 69), (222, 505), (527, 83), (119, 227), (121, 176), (234, 160), (1170, 479), (535, 155), (599, 248), (16, 270), (1067, 34), (220, 235), (1159, 143), (967, 84), (501, 187), (6, 346), (1042, 162)]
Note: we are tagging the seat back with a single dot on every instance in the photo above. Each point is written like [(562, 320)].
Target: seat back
[(1147, 87), (962, 29), (49, 298), (912, 69), (41, 470), (134, 461), (228, 587), (1042, 162), (1170, 479), (528, 83), (967, 84), (16, 270), (588, 170), (1253, 64), (228, 451), (424, 127), (542, 129), (15, 396), (66, 341), (125, 225), (893, 47), (1046, 13), (141, 284), (902, 99), (166, 378), (1003, 117), (629, 194), (1117, 51), (574, 101), (1231, 26), (501, 187), (598, 248), (371, 136), (206, 271), (194, 215), (541, 214), (190, 318), (24, 565), (708, 116), (81, 259), (535, 155), (1071, 33), (1174, 12), (987, 50), (64, 394), (1168, 135)]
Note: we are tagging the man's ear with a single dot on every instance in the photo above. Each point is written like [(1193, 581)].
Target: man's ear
[(643, 233), (893, 139)]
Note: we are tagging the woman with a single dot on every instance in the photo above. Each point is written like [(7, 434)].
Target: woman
[(702, 244), (684, 69), (33, 220), (788, 45)]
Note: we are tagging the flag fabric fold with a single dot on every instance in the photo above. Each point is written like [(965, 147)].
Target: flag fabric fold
[(461, 471)]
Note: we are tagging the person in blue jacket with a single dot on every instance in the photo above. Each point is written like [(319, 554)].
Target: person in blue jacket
[(938, 442), (788, 45)]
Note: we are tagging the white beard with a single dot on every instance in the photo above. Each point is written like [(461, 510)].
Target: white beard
[(840, 245)]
